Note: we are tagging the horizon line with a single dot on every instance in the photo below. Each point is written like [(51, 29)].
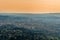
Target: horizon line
[(13, 12)]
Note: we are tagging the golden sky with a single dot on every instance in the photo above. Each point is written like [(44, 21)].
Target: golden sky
[(29, 5)]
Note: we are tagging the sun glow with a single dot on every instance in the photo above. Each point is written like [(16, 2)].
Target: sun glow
[(29, 5)]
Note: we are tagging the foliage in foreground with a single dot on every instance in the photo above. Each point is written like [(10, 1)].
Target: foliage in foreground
[(15, 33)]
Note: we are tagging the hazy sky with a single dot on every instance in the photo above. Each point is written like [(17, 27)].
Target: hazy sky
[(29, 5)]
